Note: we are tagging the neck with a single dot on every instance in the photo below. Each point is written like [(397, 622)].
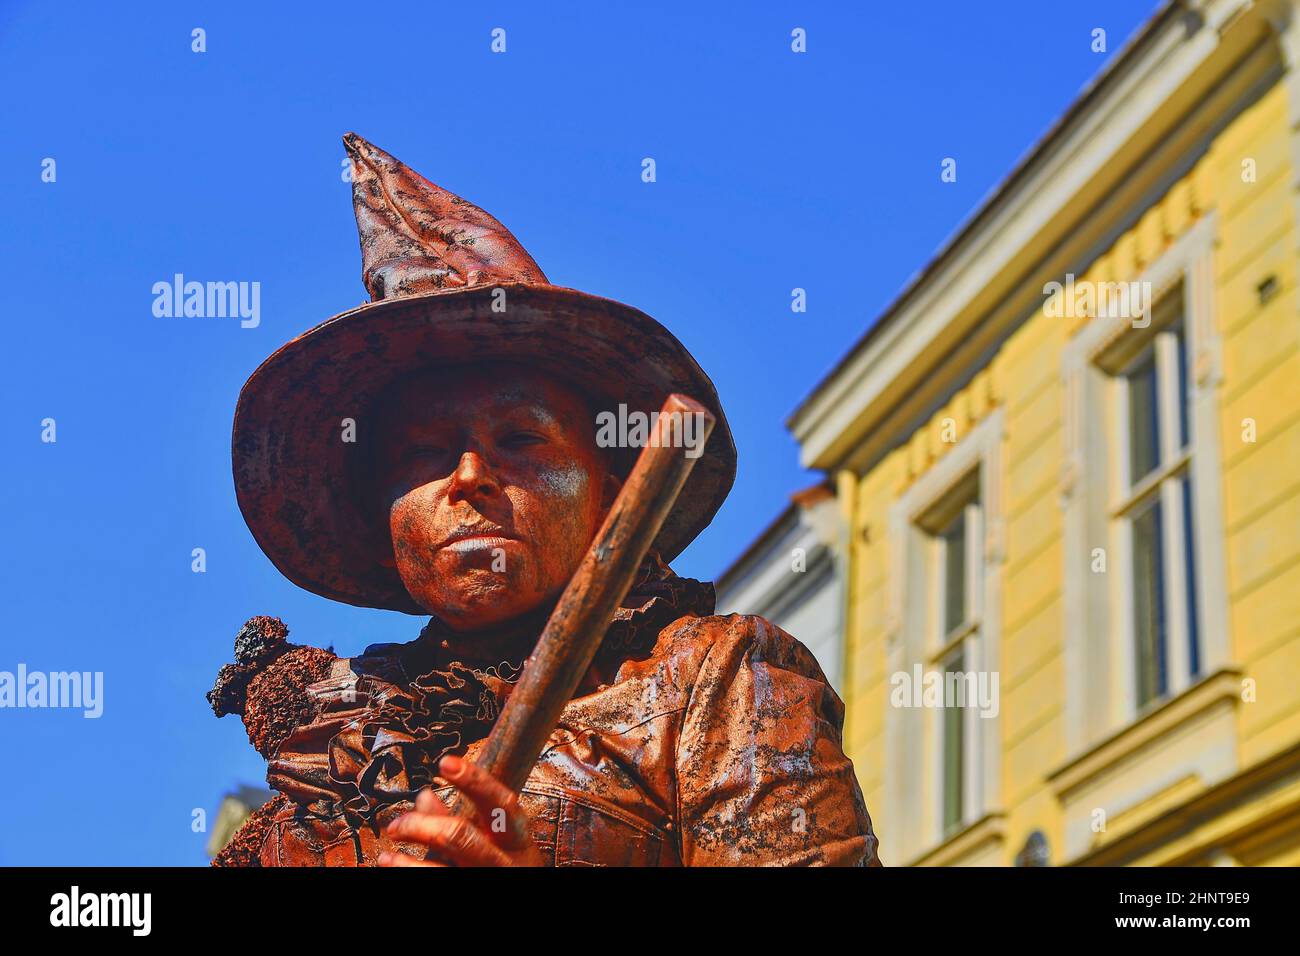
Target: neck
[(510, 641)]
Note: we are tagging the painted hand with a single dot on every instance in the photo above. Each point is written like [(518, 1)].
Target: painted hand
[(497, 836)]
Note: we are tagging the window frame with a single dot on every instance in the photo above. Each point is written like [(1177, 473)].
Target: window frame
[(913, 736), (1164, 484), (962, 501), (1100, 660)]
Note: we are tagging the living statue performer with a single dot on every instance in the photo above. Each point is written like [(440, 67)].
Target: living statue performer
[(435, 452)]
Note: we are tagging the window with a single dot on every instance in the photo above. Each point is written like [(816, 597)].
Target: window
[(1145, 613), (1153, 507), (953, 542), (1145, 592), (946, 535), (954, 741), (951, 532)]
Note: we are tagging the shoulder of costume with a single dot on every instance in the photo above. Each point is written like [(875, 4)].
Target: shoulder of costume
[(735, 636)]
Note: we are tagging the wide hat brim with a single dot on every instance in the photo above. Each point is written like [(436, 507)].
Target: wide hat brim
[(295, 475)]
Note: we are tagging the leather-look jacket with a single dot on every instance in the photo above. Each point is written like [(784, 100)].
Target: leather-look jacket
[(696, 740)]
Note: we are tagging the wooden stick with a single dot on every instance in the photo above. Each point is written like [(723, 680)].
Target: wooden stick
[(580, 619)]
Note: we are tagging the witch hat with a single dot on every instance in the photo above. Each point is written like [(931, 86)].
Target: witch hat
[(449, 285)]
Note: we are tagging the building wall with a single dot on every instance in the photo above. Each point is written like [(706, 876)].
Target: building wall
[(1207, 742), (794, 580)]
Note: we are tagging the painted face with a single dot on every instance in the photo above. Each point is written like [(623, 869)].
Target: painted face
[(494, 486)]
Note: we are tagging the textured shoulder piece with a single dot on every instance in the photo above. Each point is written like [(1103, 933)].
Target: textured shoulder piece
[(267, 684), (761, 744), (759, 637), (697, 637)]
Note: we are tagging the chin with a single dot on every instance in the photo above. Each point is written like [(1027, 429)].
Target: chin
[(483, 599)]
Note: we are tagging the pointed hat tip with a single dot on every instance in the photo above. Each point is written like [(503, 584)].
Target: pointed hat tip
[(416, 236), (367, 153)]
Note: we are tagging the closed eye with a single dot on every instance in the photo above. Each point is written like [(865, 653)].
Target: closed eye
[(522, 439)]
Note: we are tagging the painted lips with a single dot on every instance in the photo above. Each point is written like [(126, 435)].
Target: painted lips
[(478, 542)]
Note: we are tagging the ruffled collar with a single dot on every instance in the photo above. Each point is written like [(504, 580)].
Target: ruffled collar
[(380, 729)]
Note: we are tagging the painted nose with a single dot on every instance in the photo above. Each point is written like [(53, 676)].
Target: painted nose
[(472, 479)]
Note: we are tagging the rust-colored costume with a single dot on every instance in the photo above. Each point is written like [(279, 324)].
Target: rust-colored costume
[(697, 740)]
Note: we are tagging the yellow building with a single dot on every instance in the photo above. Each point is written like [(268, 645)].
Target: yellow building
[(1068, 459)]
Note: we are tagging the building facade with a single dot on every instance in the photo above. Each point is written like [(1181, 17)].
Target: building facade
[(1068, 462), (792, 576)]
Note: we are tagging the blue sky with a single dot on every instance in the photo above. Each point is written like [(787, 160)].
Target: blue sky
[(775, 171)]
